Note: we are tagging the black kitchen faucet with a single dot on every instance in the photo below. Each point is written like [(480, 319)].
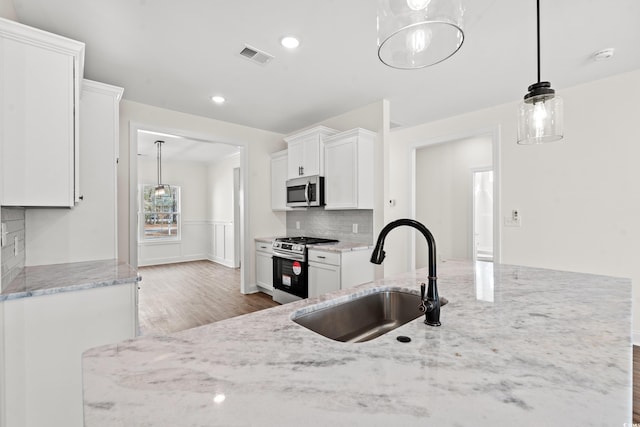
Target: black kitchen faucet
[(431, 304)]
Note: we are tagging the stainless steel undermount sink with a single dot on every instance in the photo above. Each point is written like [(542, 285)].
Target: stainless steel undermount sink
[(364, 318)]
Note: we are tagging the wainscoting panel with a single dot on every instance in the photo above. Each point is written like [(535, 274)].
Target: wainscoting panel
[(193, 244), (223, 241), (212, 240)]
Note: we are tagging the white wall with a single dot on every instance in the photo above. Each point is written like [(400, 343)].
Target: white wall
[(195, 236), (220, 194), (257, 145), (444, 200), (578, 199), (221, 209), (7, 10)]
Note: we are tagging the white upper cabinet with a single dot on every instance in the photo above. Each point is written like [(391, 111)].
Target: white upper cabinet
[(349, 167), (306, 153), (279, 181), (40, 77)]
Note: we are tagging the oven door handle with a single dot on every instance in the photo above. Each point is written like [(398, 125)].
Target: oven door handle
[(306, 193), (287, 256)]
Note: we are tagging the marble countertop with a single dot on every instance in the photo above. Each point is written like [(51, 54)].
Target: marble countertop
[(56, 278), (517, 346), (340, 247), (265, 239)]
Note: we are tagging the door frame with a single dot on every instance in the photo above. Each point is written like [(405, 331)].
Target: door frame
[(242, 146), (495, 134), (474, 253)]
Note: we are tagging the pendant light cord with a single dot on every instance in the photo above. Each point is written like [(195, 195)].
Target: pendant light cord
[(159, 162), (538, 34)]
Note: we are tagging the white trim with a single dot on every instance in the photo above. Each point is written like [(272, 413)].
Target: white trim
[(174, 260), (472, 251), (495, 134), (220, 261)]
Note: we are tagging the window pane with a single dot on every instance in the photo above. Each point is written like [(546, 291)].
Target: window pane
[(161, 213)]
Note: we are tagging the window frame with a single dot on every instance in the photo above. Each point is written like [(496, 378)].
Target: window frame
[(147, 190)]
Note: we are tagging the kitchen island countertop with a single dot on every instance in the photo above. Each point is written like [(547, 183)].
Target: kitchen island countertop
[(517, 346)]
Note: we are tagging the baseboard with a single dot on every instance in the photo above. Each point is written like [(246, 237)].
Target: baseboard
[(251, 289), (635, 337), (171, 260), (225, 262)]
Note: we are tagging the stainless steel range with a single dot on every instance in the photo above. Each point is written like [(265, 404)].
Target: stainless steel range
[(290, 267)]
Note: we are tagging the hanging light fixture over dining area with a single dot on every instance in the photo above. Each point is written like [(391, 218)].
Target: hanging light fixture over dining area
[(161, 189), (418, 33)]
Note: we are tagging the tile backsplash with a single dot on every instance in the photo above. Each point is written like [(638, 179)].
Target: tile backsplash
[(317, 222), (12, 263)]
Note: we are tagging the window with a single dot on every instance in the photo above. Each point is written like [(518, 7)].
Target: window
[(161, 214)]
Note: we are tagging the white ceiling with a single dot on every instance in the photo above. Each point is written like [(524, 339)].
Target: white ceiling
[(177, 148), (176, 54)]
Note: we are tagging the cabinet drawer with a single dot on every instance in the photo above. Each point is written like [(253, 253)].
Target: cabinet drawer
[(264, 247), (324, 257)]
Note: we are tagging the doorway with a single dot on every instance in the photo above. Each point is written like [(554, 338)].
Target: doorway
[(201, 178), (482, 214), (445, 173)]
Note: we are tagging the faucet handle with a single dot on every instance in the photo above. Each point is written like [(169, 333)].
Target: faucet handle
[(422, 307)]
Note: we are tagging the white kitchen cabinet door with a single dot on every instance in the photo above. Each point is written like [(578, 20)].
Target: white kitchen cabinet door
[(356, 268), (349, 176), (323, 278), (45, 337), (39, 126), (330, 271), (306, 153), (264, 266), (279, 181)]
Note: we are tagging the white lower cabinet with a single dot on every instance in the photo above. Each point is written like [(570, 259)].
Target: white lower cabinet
[(44, 338), (332, 271), (324, 272), (264, 267)]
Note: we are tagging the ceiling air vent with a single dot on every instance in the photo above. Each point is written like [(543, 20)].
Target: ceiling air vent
[(256, 55)]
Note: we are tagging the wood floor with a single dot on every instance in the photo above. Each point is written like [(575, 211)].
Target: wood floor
[(180, 296), (175, 297)]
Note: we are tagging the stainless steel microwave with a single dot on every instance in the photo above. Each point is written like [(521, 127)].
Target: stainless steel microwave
[(305, 192)]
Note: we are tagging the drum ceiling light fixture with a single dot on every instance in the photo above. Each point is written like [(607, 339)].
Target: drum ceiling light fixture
[(418, 33)]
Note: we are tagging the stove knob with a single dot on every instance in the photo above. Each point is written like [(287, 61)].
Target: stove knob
[(298, 248)]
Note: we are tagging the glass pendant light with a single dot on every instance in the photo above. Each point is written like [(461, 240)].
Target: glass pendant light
[(540, 114), (418, 33), (161, 190)]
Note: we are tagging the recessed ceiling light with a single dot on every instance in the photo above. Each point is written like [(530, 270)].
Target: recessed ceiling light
[(218, 99), (290, 42)]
